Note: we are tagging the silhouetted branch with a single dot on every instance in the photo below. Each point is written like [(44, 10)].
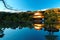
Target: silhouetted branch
[(7, 6)]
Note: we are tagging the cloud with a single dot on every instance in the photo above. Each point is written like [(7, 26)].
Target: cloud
[(43, 9), (12, 11)]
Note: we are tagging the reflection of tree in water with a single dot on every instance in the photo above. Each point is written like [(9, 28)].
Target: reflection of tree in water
[(15, 25), (51, 31), (1, 33), (51, 36)]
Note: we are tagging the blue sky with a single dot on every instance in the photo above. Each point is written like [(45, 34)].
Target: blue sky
[(31, 4)]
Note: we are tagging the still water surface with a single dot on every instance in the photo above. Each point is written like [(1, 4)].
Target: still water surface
[(28, 34)]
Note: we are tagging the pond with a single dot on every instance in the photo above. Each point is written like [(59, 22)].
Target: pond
[(26, 33)]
